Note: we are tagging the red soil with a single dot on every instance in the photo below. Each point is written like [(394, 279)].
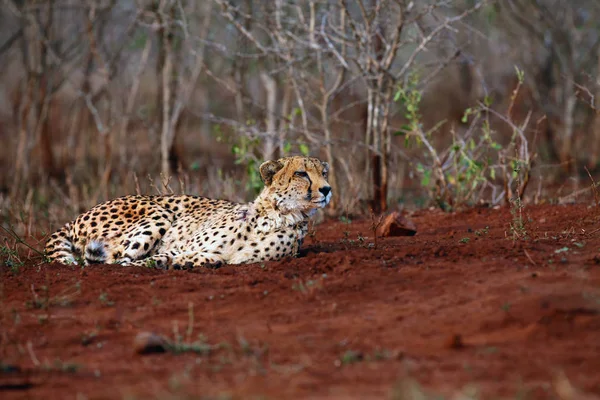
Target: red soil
[(344, 320)]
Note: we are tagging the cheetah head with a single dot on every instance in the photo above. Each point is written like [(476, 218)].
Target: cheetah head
[(296, 184)]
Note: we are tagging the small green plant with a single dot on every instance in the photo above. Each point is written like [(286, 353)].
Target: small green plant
[(18, 241), (345, 219), (459, 175), (243, 150), (482, 232), (150, 263), (105, 300), (309, 286), (454, 176), (39, 302), (198, 346), (11, 259), (351, 357), (381, 355), (361, 239), (62, 299), (180, 345), (464, 240), (61, 366), (88, 338)]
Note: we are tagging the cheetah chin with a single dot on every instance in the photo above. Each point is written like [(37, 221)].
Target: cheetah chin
[(183, 231)]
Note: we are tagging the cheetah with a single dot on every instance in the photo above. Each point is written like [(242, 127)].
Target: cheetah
[(184, 231)]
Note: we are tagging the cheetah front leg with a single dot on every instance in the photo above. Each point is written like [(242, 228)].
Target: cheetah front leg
[(175, 260)]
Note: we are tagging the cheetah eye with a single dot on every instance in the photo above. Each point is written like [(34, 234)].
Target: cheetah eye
[(325, 173), (301, 174)]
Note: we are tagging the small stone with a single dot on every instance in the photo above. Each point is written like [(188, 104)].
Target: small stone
[(396, 225), (149, 342)]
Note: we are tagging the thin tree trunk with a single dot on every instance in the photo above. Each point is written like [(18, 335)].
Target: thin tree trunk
[(165, 66), (595, 154), (567, 142), (378, 157), (122, 135), (327, 94), (42, 136), (368, 136), (285, 112), (24, 110), (379, 196), (44, 139), (271, 91), (386, 147)]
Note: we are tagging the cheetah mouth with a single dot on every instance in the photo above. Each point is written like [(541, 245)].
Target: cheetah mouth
[(321, 203)]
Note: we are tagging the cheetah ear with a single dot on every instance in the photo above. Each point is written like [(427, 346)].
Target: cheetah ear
[(268, 169)]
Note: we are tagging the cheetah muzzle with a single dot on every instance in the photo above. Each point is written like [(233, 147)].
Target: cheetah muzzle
[(182, 231)]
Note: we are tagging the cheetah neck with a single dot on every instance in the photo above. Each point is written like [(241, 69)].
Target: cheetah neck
[(270, 218)]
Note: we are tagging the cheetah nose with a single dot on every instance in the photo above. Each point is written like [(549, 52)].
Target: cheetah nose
[(325, 190)]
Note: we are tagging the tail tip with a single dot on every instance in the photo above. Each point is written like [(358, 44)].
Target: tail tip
[(95, 253)]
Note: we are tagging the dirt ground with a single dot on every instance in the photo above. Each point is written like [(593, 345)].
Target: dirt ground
[(460, 308)]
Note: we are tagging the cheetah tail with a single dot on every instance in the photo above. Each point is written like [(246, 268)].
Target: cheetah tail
[(60, 248), (95, 252)]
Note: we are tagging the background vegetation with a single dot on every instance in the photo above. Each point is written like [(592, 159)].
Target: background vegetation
[(444, 102)]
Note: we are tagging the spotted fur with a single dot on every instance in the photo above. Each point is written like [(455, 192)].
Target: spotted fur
[(186, 231)]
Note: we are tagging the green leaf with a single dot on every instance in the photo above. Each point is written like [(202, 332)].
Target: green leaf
[(472, 144), (404, 129), (287, 147), (426, 178), (487, 100), (465, 116), (520, 74), (304, 150)]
